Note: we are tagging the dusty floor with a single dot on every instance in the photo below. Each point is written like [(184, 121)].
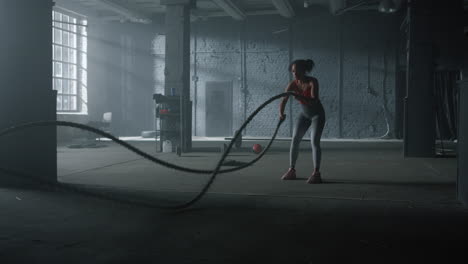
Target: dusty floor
[(374, 207)]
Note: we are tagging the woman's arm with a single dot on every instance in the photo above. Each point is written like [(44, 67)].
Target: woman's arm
[(314, 86), (285, 100)]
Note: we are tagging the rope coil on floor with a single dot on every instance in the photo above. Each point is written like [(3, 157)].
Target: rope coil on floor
[(147, 156)]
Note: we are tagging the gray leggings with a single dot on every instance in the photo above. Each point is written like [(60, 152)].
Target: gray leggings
[(311, 115)]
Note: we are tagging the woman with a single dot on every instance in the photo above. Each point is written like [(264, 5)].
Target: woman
[(312, 114)]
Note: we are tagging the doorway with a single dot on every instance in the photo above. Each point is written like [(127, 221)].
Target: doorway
[(218, 96)]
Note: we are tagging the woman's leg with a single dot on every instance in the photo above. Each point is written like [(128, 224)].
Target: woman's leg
[(318, 123), (302, 124)]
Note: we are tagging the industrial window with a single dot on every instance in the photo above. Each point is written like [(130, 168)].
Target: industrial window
[(69, 38)]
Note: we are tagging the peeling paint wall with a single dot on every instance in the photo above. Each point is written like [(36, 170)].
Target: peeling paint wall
[(254, 55)]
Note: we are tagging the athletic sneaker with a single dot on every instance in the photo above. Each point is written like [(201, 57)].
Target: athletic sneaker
[(315, 178), (289, 175)]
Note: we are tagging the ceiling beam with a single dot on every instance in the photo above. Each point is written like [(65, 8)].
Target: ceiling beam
[(72, 5), (231, 9), (336, 6), (202, 15), (123, 11), (284, 7), (362, 5)]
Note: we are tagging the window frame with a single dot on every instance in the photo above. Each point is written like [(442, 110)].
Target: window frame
[(80, 32)]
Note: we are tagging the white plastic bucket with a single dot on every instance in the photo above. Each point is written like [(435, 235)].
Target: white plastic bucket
[(167, 146)]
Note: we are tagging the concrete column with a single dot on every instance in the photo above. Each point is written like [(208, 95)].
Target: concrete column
[(435, 42), (419, 123), (177, 70), (26, 93), (462, 148)]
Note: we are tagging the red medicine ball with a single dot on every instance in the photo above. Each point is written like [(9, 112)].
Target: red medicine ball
[(257, 148)]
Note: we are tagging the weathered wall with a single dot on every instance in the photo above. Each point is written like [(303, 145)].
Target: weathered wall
[(217, 59), (368, 98), (126, 65), (349, 52)]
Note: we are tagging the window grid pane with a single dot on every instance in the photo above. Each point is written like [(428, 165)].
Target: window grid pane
[(59, 102), (65, 102), (73, 102), (57, 69), (57, 36), (65, 19), (84, 76), (72, 40), (84, 60), (69, 72), (65, 54), (73, 89), (66, 89), (84, 94), (58, 16), (73, 27), (65, 38), (72, 56), (65, 70), (58, 85), (57, 52), (72, 71)]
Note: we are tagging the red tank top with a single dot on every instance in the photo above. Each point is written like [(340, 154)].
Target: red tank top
[(305, 93)]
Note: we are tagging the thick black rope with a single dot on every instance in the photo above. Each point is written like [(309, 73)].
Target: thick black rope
[(214, 172), (127, 145)]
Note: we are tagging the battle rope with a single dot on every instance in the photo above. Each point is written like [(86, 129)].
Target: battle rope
[(214, 172)]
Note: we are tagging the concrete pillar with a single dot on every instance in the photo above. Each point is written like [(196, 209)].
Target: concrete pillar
[(462, 148), (435, 42), (26, 93), (177, 70), (419, 113)]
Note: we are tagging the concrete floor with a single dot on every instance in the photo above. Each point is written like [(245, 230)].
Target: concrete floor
[(375, 207)]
